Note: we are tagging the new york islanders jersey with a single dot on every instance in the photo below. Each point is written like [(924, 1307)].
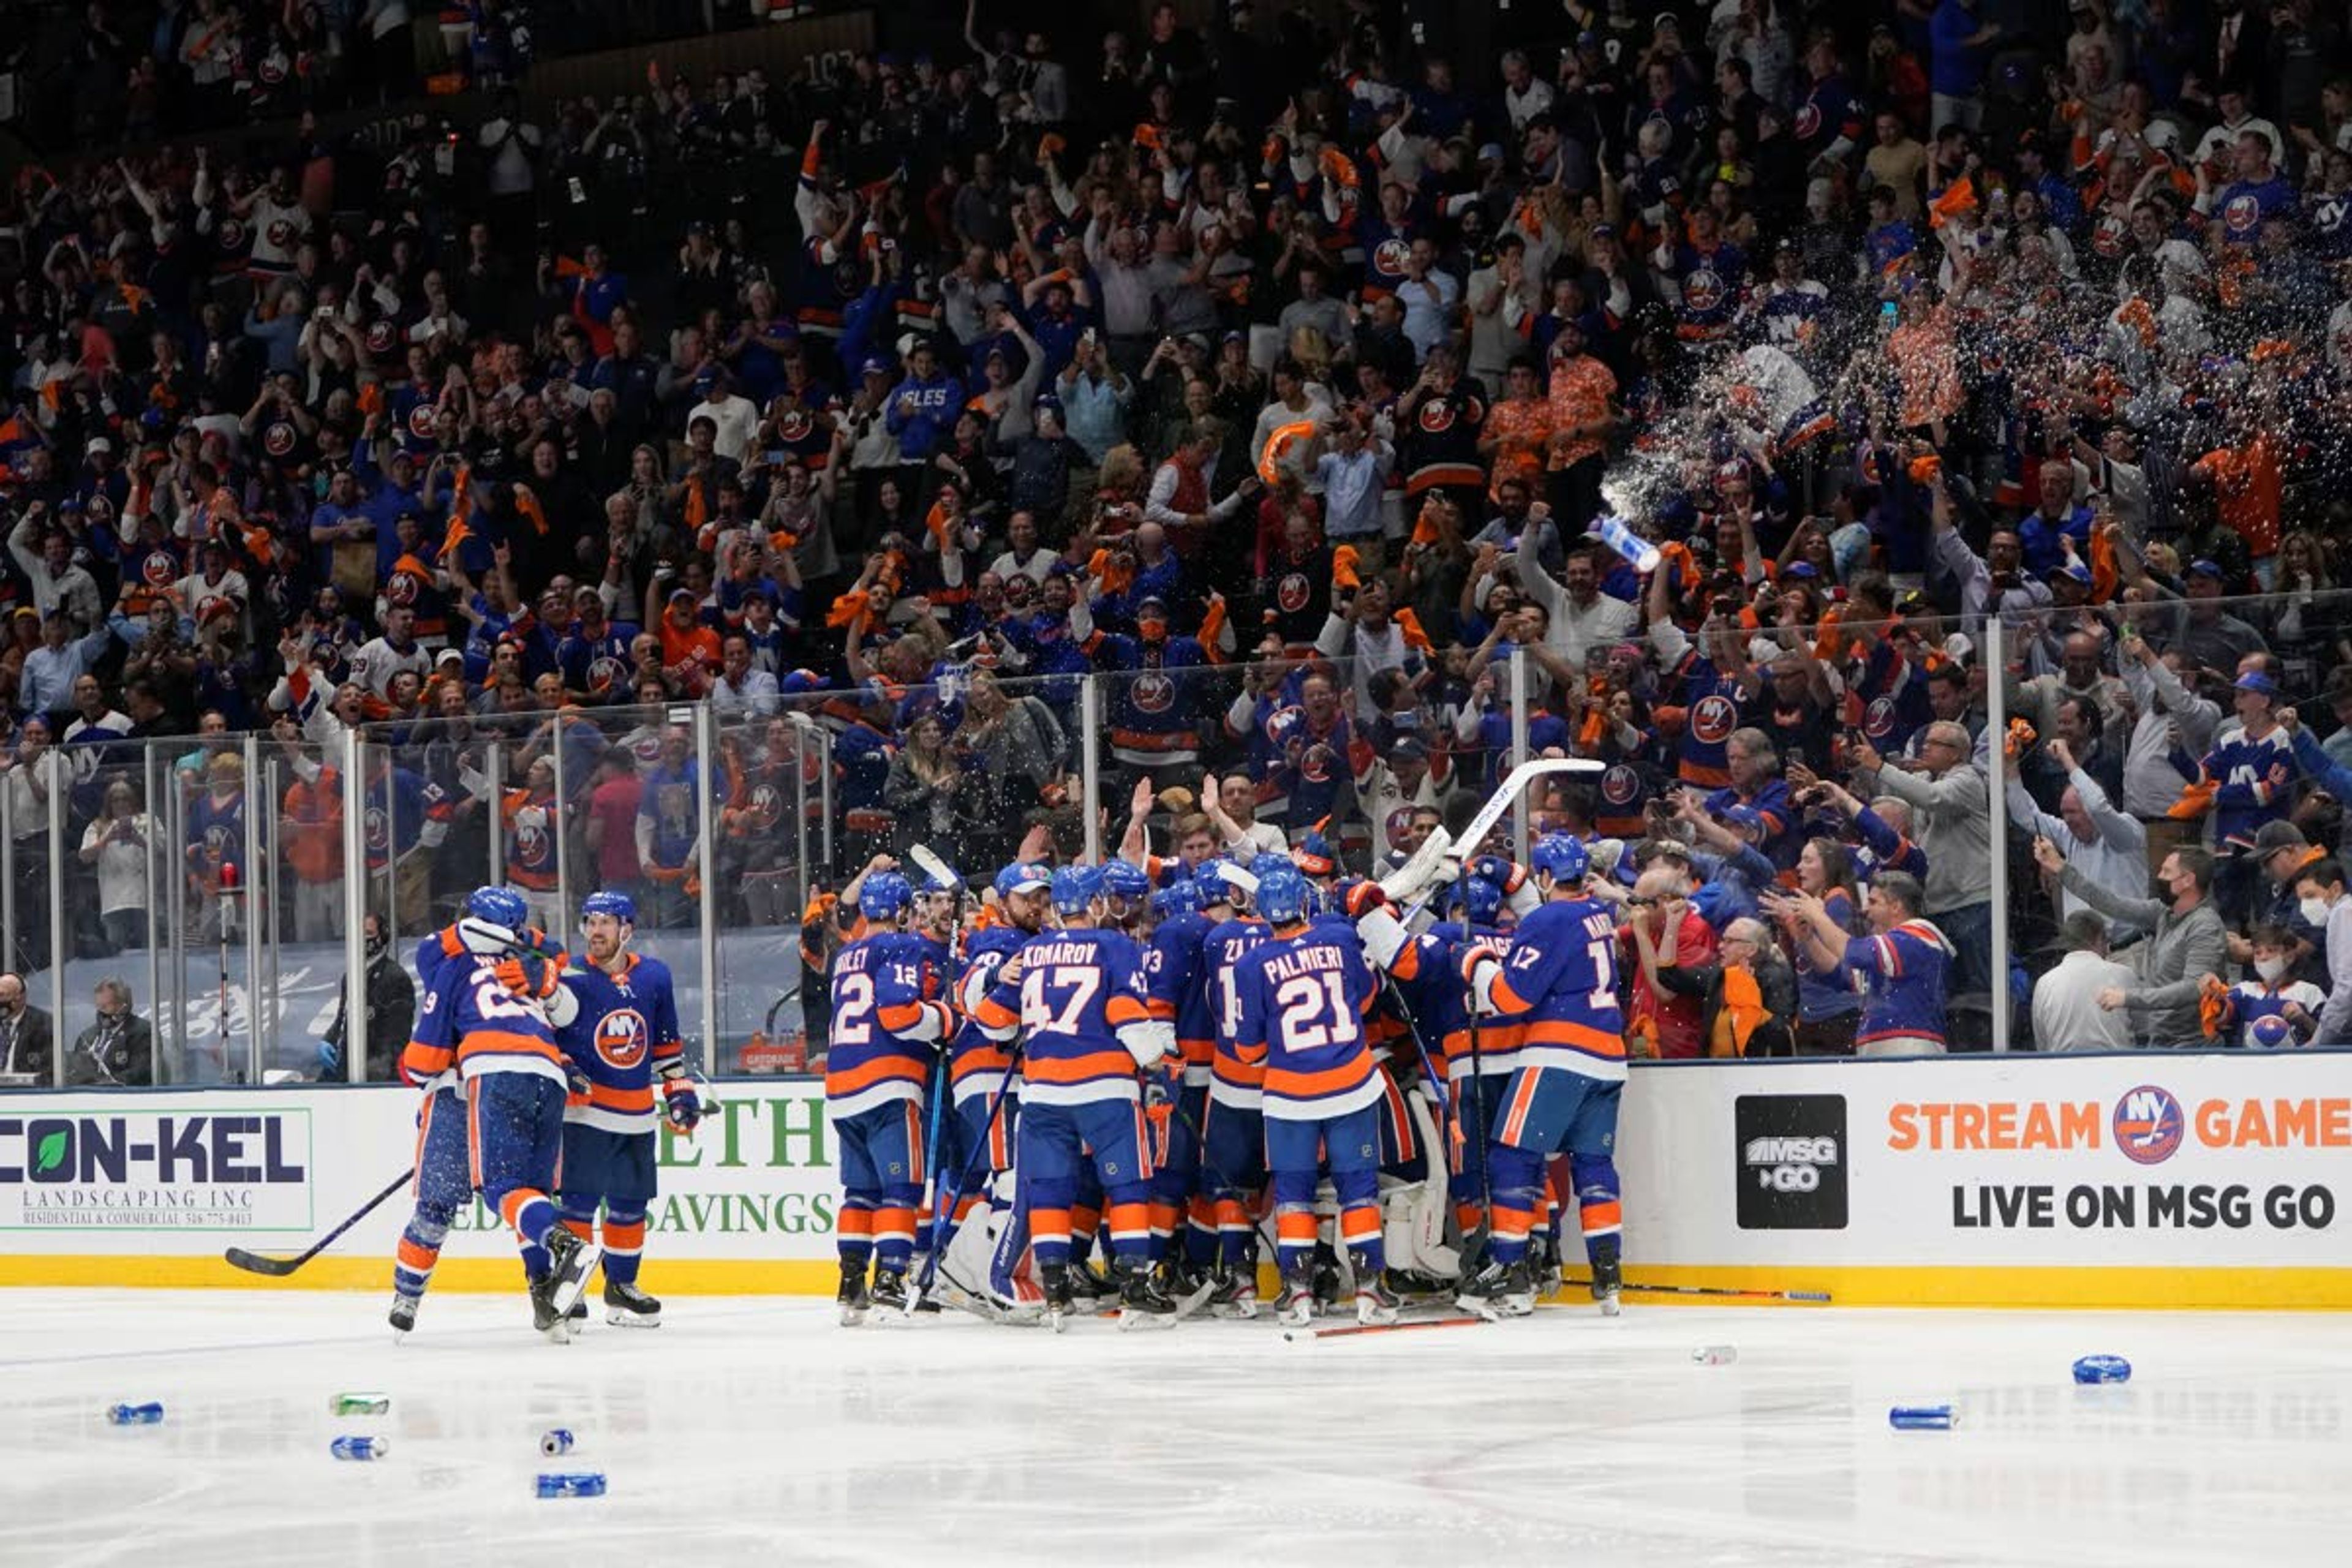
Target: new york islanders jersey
[(1232, 1080), (1427, 970), (1076, 989), (1302, 1003), (1559, 980), (888, 1021), (471, 1021), (1903, 970), (1176, 990), (977, 1061), (624, 1034)]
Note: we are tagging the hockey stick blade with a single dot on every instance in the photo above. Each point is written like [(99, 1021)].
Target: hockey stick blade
[(1818, 1298), (1309, 1336), (1514, 785), (279, 1267), (932, 866)]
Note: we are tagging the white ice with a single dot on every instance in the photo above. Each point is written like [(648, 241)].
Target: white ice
[(755, 1431)]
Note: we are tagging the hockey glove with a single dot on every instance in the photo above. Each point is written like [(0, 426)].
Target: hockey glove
[(527, 974), (577, 1085), (681, 1104)]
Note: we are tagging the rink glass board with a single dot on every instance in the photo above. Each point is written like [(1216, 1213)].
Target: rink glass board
[(2143, 1179)]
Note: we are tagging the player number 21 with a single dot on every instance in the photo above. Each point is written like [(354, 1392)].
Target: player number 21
[(1315, 1012)]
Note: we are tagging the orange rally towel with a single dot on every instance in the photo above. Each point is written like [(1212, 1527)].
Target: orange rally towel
[(1414, 637), (1344, 571)]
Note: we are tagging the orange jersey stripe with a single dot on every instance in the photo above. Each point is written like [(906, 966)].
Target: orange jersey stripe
[(1291, 1083), (1079, 1069), (843, 1081)]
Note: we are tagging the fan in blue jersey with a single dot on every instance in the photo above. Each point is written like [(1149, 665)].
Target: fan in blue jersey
[(624, 1037), (1301, 998), (490, 1015), (1076, 996), (1558, 981), (888, 1022)]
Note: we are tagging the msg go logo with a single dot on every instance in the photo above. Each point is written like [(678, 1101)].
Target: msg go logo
[(1788, 1165)]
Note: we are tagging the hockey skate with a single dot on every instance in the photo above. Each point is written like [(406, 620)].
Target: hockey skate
[(1498, 1291), (1089, 1289), (891, 1288), (1376, 1304), (1327, 1279), (853, 1298), (627, 1307), (1141, 1303), (1608, 1279), (1233, 1292), (547, 1317), (404, 1312), (569, 1262), (1299, 1297), (1060, 1304)]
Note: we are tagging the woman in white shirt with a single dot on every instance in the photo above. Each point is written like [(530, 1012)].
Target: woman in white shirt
[(118, 842)]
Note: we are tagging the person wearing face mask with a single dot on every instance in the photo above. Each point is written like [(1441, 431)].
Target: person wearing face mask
[(2319, 894), (2186, 941), (391, 1009), (2269, 1008)]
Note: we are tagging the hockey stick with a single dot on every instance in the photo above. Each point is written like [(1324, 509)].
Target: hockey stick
[(942, 1074), (1309, 1336), (278, 1268), (1820, 1297)]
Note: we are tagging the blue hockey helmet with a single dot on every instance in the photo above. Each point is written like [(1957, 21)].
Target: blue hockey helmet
[(1481, 901), (499, 906), (1561, 857), (885, 896), (1265, 866), (1124, 880), (1181, 896), (1283, 895), (1214, 887), (1076, 887), (620, 906)]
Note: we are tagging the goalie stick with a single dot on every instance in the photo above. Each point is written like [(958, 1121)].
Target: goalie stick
[(279, 1267)]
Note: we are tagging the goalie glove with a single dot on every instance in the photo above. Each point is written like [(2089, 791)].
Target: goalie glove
[(1147, 1039)]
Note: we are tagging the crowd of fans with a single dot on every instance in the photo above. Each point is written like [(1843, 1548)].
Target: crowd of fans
[(1277, 377)]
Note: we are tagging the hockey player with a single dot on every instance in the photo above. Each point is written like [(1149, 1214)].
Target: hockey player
[(888, 1022), (444, 1178), (1176, 994), (492, 1016), (979, 1067), (1559, 980), (1232, 1131), (1077, 997), (624, 1037), (1301, 998)]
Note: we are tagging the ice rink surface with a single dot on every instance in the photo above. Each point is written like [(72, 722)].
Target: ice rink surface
[(756, 1431)]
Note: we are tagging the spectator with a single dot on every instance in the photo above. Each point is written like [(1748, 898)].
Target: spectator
[(27, 1037), (1902, 963), (2108, 847), (2319, 890), (390, 1011), (1953, 818), (1745, 997), (2067, 1016), (121, 844), (119, 1047), (2185, 941)]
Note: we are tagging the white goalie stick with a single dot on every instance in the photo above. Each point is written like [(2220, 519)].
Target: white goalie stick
[(933, 867), (1430, 863)]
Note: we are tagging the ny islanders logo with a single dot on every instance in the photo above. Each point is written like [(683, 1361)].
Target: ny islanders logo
[(2149, 1125), (622, 1038), (1153, 692), (1713, 719)]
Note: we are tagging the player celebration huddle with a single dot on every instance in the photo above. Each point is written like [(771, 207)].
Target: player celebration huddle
[(1104, 1087), (539, 1075)]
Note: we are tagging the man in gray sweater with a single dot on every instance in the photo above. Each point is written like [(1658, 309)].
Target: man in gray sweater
[(2188, 941), (1951, 810)]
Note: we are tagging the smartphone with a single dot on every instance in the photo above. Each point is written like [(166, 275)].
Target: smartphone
[(1886, 317)]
